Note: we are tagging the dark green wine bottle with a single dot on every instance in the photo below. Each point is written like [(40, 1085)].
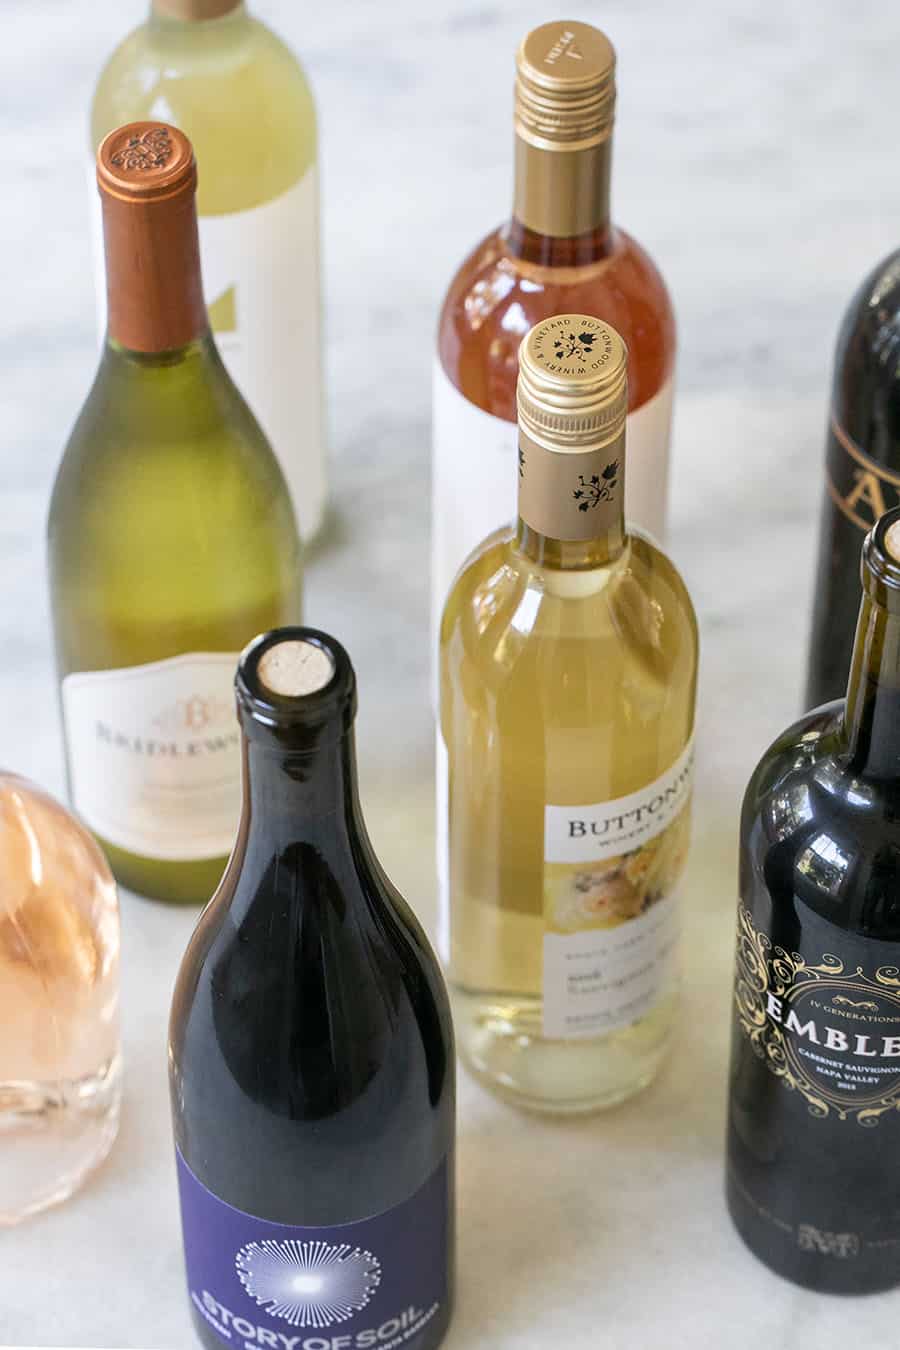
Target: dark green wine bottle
[(814, 1119), (862, 470), (172, 541)]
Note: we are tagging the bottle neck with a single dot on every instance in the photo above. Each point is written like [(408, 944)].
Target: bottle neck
[(872, 709), (560, 214), (571, 514), (194, 11), (154, 289), (309, 798)]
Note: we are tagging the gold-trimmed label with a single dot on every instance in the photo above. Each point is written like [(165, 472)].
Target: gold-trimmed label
[(824, 1026), (860, 487)]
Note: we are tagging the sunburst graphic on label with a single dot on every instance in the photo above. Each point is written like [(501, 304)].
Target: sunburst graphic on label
[(309, 1284)]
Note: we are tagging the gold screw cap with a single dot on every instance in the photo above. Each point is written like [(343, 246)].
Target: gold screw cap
[(573, 390), (565, 86)]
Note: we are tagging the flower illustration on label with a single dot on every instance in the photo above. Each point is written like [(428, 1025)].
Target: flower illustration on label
[(309, 1284), (576, 345), (596, 489)]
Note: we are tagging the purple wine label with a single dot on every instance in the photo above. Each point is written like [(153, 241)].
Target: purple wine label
[(370, 1285)]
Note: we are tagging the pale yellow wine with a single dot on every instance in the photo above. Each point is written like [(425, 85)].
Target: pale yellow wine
[(568, 674), (244, 100)]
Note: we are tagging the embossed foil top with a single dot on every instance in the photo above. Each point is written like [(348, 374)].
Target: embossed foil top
[(147, 178), (565, 86), (572, 399), (145, 161)]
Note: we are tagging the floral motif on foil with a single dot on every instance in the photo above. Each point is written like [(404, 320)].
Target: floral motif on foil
[(596, 489), (152, 150)]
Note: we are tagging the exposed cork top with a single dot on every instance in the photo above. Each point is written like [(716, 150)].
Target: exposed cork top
[(295, 668)]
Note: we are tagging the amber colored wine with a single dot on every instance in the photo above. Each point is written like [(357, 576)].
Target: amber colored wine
[(171, 543), (560, 252)]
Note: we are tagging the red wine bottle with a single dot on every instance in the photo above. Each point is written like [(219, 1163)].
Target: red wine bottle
[(814, 1119), (862, 469), (311, 1049)]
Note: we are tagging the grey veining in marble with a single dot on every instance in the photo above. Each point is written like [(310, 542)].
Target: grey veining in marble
[(756, 158)]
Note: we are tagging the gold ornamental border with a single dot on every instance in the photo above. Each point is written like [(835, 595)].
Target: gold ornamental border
[(761, 970)]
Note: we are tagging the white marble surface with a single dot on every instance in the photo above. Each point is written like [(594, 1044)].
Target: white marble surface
[(756, 157)]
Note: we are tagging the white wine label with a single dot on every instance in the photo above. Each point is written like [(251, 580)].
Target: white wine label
[(261, 279), (474, 480), (154, 755), (588, 834), (610, 910), (442, 844), (261, 282), (599, 980)]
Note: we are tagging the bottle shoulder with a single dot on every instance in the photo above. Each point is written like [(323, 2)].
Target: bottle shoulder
[(813, 830), (504, 613), (495, 297), (158, 437), (333, 957), (220, 90)]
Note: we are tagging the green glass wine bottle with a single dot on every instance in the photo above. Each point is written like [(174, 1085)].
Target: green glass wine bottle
[(228, 82), (171, 543)]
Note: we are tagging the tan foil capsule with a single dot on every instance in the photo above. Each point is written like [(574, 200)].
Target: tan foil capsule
[(147, 178), (572, 399), (564, 109)]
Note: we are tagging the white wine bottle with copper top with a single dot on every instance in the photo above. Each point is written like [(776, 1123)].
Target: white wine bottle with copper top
[(225, 79), (171, 542), (559, 253), (568, 666)]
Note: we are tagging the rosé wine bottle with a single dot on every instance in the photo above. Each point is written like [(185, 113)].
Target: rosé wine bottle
[(60, 1063)]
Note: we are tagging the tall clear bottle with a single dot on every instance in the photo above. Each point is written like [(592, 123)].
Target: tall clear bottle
[(568, 678), (311, 1050), (814, 1103), (220, 75), (559, 252), (171, 542)]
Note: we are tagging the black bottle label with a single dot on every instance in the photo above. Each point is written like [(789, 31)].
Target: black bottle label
[(824, 1021), (860, 488), (368, 1285)]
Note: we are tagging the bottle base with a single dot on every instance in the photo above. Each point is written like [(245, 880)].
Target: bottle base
[(53, 1135), (827, 1262), (501, 1043)]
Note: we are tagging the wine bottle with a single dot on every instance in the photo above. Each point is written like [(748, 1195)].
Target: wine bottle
[(60, 1055), (558, 253), (862, 470), (815, 1069), (568, 674), (311, 1049), (241, 96), (171, 542)]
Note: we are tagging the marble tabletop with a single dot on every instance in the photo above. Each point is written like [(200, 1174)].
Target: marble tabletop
[(756, 158)]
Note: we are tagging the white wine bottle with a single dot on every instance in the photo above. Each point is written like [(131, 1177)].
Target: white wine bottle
[(239, 93), (568, 676), (171, 543)]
